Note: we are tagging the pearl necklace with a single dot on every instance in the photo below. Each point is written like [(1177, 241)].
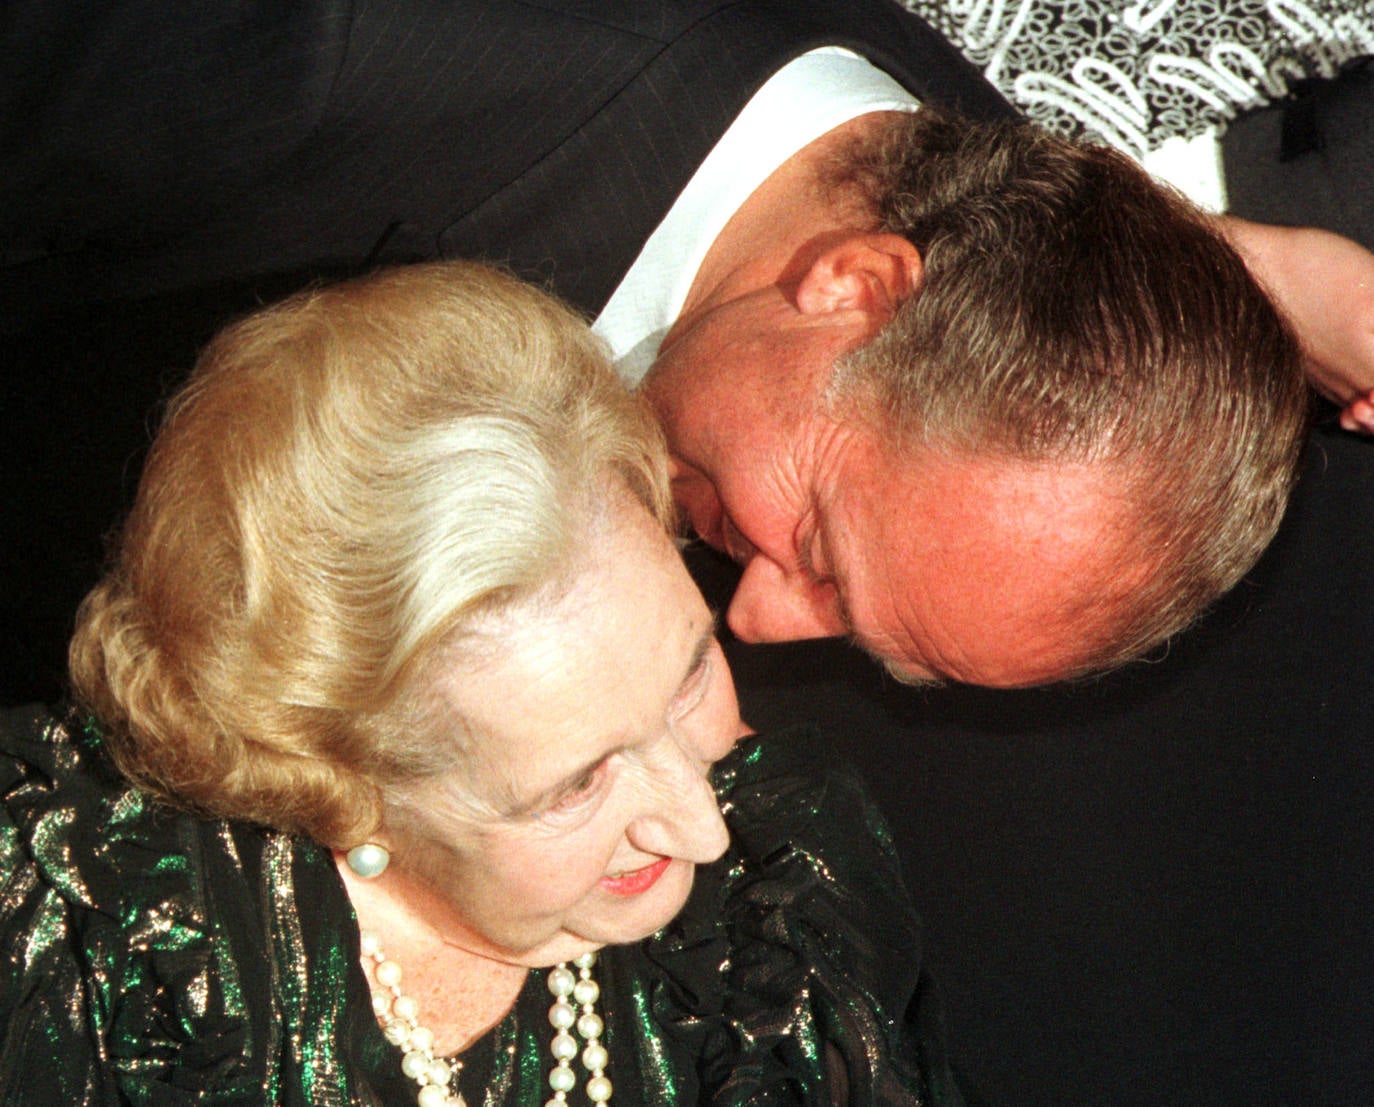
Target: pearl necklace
[(398, 1014)]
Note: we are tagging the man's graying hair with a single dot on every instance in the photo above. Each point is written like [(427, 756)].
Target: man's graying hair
[(1073, 310)]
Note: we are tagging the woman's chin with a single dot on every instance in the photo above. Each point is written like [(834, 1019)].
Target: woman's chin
[(613, 918), (633, 918)]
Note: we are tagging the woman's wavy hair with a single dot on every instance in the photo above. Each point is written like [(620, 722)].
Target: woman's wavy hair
[(347, 481)]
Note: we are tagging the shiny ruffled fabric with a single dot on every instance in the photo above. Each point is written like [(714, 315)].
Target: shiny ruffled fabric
[(154, 958)]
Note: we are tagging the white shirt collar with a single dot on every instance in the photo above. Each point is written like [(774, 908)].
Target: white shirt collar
[(809, 96)]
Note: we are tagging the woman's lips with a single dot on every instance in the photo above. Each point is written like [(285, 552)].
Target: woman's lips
[(636, 881)]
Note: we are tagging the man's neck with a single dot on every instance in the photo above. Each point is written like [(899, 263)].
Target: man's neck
[(797, 213)]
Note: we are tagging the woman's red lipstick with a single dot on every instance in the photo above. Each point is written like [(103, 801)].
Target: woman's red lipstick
[(637, 880)]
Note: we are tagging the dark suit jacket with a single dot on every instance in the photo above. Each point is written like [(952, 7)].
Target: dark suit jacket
[(1156, 886), (170, 146), (167, 166), (1309, 159), (1149, 889)]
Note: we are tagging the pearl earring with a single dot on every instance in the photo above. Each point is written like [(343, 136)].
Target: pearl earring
[(368, 860)]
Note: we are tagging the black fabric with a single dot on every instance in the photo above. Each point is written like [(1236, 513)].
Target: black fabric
[(171, 166), (166, 147), (1308, 160), (1153, 887), (152, 958)]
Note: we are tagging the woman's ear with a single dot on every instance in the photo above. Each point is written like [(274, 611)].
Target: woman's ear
[(870, 273)]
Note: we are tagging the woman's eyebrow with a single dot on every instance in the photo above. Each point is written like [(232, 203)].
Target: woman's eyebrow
[(700, 650), (554, 792), (521, 808)]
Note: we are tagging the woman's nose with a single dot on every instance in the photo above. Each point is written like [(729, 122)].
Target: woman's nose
[(682, 818)]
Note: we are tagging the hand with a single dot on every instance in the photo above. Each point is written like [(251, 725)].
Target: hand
[(1358, 414), (1324, 284)]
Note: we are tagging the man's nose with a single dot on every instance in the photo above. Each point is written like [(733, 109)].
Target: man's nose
[(772, 604)]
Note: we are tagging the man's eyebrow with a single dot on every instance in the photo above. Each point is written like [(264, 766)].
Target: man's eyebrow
[(846, 615), (836, 579)]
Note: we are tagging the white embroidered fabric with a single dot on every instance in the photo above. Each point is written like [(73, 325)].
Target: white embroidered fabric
[(1137, 75)]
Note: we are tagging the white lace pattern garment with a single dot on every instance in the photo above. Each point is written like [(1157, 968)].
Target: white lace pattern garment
[(1139, 74)]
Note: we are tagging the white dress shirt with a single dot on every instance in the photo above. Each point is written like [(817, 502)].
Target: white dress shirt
[(808, 97)]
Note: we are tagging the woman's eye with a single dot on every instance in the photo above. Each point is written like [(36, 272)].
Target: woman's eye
[(693, 689), (579, 792), (584, 785)]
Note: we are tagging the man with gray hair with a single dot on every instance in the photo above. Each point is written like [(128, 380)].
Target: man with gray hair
[(1120, 877), (957, 318)]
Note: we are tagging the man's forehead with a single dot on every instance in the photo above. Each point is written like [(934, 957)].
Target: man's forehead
[(955, 499), (983, 569)]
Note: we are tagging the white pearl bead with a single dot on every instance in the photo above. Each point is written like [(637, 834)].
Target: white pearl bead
[(433, 1095), (368, 860), (563, 1046), (400, 1015), (562, 1015), (562, 1079), (561, 981)]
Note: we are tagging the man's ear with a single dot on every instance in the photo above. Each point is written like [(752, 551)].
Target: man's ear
[(870, 273)]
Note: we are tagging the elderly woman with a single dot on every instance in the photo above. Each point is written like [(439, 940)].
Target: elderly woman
[(391, 780)]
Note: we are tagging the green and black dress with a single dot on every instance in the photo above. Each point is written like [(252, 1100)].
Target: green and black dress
[(155, 958)]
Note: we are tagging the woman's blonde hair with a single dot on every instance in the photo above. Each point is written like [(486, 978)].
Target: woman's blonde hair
[(347, 480)]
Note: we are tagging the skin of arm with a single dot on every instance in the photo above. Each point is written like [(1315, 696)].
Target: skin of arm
[(1324, 283)]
